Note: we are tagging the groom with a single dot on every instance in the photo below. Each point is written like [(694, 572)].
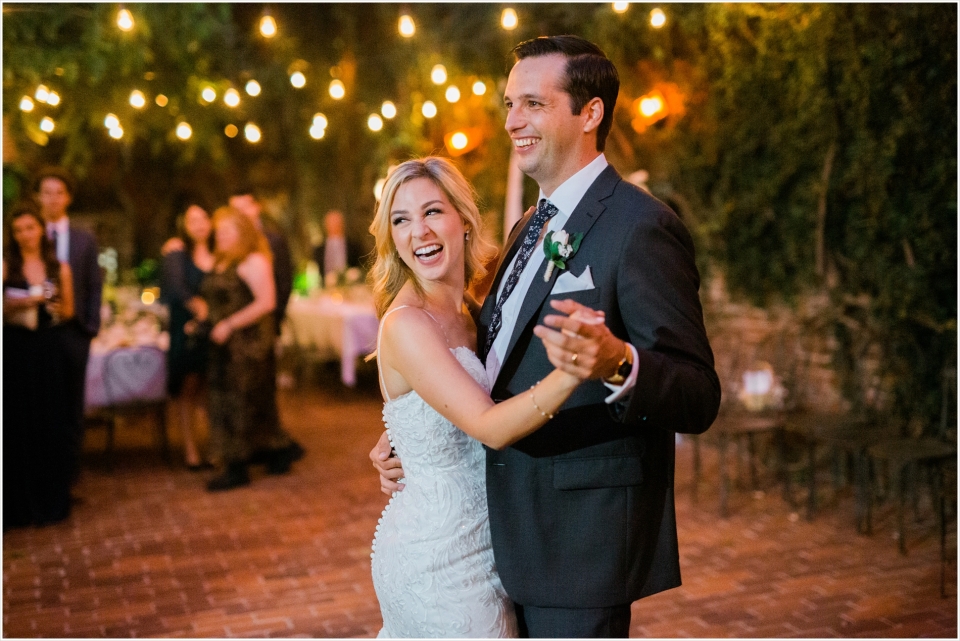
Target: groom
[(582, 512)]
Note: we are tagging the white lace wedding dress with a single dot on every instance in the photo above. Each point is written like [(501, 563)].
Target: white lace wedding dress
[(433, 567)]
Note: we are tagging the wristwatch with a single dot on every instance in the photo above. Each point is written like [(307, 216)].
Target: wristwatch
[(624, 367)]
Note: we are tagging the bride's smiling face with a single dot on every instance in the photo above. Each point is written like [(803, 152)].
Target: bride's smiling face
[(427, 231)]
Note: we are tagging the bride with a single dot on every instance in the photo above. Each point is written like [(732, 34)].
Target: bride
[(433, 567)]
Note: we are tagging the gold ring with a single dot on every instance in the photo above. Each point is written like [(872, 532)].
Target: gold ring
[(573, 359)]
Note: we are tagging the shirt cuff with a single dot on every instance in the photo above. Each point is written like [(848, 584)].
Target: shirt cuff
[(623, 390)]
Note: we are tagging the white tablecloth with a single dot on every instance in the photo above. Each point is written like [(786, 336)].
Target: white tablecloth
[(336, 328), (125, 375)]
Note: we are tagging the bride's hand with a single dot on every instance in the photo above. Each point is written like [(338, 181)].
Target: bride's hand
[(581, 344), (388, 465)]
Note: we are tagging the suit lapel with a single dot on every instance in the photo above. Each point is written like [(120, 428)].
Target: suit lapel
[(581, 220)]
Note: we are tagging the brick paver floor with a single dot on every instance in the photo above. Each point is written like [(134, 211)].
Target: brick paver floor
[(148, 552)]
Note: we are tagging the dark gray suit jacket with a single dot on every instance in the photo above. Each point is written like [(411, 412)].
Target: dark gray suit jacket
[(87, 279), (582, 511)]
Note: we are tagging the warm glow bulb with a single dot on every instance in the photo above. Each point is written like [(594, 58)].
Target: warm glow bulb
[(337, 90), (650, 106), (298, 80), (46, 124), (459, 140), (378, 188), (268, 26), (147, 298), (184, 131), (111, 121), (621, 7), (26, 104), (251, 132), (161, 100), (231, 130), (452, 94), (317, 132), (53, 99), (438, 74), (125, 20), (42, 93), (479, 88), (319, 120), (657, 18), (429, 109), (137, 99), (388, 109), (253, 88), (407, 27), (231, 97), (208, 94), (508, 19), (375, 122), (116, 132)]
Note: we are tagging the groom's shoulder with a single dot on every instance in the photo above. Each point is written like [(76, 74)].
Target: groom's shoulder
[(636, 206)]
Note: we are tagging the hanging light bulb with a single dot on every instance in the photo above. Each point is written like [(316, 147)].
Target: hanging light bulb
[(231, 97), (620, 7), (42, 93), (337, 90), (508, 19), (298, 80), (111, 121), (116, 132), (125, 20), (26, 104), (252, 88), (657, 18), (208, 94), (184, 131), (161, 100), (406, 26), (459, 140), (47, 124), (137, 99), (438, 74), (452, 94), (429, 110), (375, 122), (268, 26), (319, 120), (388, 109), (231, 130), (651, 105), (251, 132), (479, 88), (53, 99), (317, 132)]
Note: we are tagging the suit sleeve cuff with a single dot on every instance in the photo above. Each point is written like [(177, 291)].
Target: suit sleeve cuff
[(622, 391)]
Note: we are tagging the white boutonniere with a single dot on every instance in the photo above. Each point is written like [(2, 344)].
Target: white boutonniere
[(559, 248)]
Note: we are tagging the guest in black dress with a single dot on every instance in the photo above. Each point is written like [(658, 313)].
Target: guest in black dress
[(38, 440), (182, 272)]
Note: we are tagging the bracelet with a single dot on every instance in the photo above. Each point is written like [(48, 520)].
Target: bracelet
[(534, 401)]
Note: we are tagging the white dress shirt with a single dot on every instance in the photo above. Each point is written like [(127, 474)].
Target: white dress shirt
[(62, 227), (565, 198)]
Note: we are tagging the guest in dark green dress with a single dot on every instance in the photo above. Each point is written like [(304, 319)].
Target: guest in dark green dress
[(240, 298), (185, 263)]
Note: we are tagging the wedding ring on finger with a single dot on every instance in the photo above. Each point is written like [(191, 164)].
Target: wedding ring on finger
[(573, 359)]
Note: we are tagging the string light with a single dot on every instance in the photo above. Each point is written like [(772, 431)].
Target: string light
[(53, 99), (459, 140), (47, 124), (657, 18), (231, 97), (388, 109), (268, 26), (621, 7), (184, 131), (208, 94), (479, 88), (252, 132), (319, 120), (137, 99), (429, 110), (508, 19), (438, 74), (375, 122), (378, 188), (406, 26), (116, 132), (651, 105), (462, 141), (337, 90), (231, 130), (452, 94), (317, 132), (111, 121), (252, 88), (26, 104), (125, 20), (161, 100), (298, 80), (42, 93)]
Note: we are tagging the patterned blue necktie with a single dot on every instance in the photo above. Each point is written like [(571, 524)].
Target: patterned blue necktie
[(545, 211)]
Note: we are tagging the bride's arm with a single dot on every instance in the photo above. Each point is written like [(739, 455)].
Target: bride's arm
[(413, 347)]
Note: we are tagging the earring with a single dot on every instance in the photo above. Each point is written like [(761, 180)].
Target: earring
[(466, 237)]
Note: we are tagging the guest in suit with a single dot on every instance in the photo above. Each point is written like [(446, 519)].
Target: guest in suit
[(582, 512), (337, 252), (38, 439), (54, 188), (181, 274)]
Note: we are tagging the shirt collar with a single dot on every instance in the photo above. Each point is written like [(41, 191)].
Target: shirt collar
[(62, 226), (568, 195)]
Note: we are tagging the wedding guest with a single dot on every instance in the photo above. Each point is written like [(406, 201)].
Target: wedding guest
[(54, 189), (182, 272), (239, 299), (38, 443), (337, 252)]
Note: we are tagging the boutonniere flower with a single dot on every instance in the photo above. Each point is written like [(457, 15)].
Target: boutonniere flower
[(559, 247)]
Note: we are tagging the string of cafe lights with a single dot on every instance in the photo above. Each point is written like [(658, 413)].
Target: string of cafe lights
[(649, 106)]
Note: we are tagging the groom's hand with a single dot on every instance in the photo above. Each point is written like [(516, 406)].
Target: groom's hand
[(581, 333), (388, 466)]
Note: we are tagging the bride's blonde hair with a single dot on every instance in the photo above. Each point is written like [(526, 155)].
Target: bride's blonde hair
[(389, 272)]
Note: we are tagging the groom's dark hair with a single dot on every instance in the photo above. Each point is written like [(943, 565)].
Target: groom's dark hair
[(590, 74)]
